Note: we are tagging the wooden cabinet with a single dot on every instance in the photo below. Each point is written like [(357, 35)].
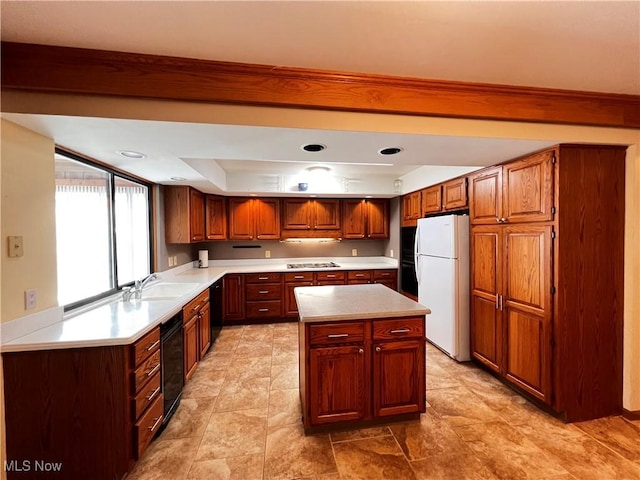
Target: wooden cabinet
[(367, 218), (361, 370), (233, 297), (215, 218), (254, 218), (411, 209), (204, 329), (291, 281), (454, 194), (184, 215), (517, 192), (431, 200), (196, 332), (263, 295), (386, 277), (359, 276), (545, 309), (311, 218)]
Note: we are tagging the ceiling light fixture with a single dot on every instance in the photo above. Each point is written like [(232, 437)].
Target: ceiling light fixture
[(313, 147), (131, 154), (319, 168), (390, 151), (178, 179)]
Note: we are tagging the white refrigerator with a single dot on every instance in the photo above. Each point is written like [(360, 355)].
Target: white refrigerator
[(442, 270)]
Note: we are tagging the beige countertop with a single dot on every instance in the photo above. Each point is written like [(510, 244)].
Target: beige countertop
[(354, 302)]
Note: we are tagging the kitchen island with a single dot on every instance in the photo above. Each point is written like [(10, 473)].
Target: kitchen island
[(362, 355)]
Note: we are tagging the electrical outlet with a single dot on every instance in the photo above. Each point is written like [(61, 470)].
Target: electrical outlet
[(171, 261), (267, 254), (391, 253), (16, 248), (30, 298), (354, 252), (175, 260)]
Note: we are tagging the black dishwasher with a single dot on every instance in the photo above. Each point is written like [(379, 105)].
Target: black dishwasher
[(171, 352)]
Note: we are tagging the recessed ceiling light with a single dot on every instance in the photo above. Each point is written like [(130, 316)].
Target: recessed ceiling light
[(131, 154), (313, 147), (178, 179), (390, 151)]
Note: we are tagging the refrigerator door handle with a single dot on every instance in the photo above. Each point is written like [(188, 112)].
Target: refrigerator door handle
[(416, 263)]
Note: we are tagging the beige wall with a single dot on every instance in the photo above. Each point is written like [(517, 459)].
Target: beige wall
[(28, 209)]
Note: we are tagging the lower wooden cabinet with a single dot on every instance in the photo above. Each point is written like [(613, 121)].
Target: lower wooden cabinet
[(191, 350), (361, 370), (196, 332), (233, 297)]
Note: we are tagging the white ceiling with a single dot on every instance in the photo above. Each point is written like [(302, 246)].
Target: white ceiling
[(592, 46)]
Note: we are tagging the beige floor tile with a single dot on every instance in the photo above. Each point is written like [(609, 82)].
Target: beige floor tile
[(258, 333), (217, 359), (459, 406), (452, 464), (290, 454), (254, 348), (438, 377), (239, 393), (372, 458), (160, 460), (226, 344), (190, 419), (206, 383), (285, 354), (248, 367), (616, 433), (359, 434), (232, 434), (246, 467), (284, 408), (285, 376), (517, 410)]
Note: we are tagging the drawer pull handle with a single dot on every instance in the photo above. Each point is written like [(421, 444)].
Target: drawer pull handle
[(153, 427), (263, 278), (263, 309), (153, 394), (263, 292), (195, 308), (331, 276), (401, 330), (338, 335), (206, 300), (153, 345), (359, 274), (153, 370), (299, 276)]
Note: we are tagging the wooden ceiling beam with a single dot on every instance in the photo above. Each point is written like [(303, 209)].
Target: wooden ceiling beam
[(41, 68)]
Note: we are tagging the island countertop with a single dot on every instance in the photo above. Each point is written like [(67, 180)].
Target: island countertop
[(353, 302)]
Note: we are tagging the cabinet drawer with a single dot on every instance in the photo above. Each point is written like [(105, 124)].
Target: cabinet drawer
[(360, 275), (263, 277), (145, 371), (146, 346), (267, 291), (385, 274), (148, 425), (395, 329), (191, 308), (331, 276), (332, 333), (268, 309), (147, 395), (298, 277)]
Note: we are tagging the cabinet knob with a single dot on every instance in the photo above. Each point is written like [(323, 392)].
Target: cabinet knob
[(378, 349), (361, 351)]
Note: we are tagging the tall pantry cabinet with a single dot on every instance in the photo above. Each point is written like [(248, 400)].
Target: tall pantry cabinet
[(547, 242)]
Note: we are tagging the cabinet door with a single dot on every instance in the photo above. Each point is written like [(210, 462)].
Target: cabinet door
[(486, 286), (327, 214), (398, 377), (241, 223), (233, 295), (337, 384), (528, 189), (204, 328), (454, 194), (485, 196), (290, 305), (267, 218), (431, 199), (377, 218), (353, 218), (196, 212), (527, 308), (296, 214), (191, 350), (216, 218), (415, 205)]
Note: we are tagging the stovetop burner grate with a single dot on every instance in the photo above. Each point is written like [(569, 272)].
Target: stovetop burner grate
[(312, 265)]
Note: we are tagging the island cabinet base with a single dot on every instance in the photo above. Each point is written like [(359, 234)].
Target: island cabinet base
[(361, 372)]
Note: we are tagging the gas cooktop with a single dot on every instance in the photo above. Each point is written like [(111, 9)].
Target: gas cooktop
[(312, 265)]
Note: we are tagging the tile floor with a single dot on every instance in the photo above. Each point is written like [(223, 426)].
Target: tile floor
[(240, 419)]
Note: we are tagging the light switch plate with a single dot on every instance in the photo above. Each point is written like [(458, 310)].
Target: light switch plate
[(16, 248), (267, 254), (30, 298)]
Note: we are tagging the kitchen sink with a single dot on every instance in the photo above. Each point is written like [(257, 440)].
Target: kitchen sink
[(167, 290)]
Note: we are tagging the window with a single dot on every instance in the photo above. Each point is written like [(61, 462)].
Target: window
[(102, 230)]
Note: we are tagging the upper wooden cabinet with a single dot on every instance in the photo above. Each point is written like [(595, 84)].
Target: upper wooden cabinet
[(365, 218), (254, 218), (411, 209), (454, 194), (215, 218), (517, 192), (431, 200), (311, 218), (184, 214)]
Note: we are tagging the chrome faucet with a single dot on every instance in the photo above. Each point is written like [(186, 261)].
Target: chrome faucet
[(136, 290)]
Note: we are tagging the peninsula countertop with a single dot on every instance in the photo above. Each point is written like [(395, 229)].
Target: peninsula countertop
[(354, 302)]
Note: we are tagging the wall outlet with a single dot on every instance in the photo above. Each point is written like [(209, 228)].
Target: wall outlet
[(171, 261), (30, 299), (391, 253), (267, 254), (175, 260), (354, 252), (16, 248)]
